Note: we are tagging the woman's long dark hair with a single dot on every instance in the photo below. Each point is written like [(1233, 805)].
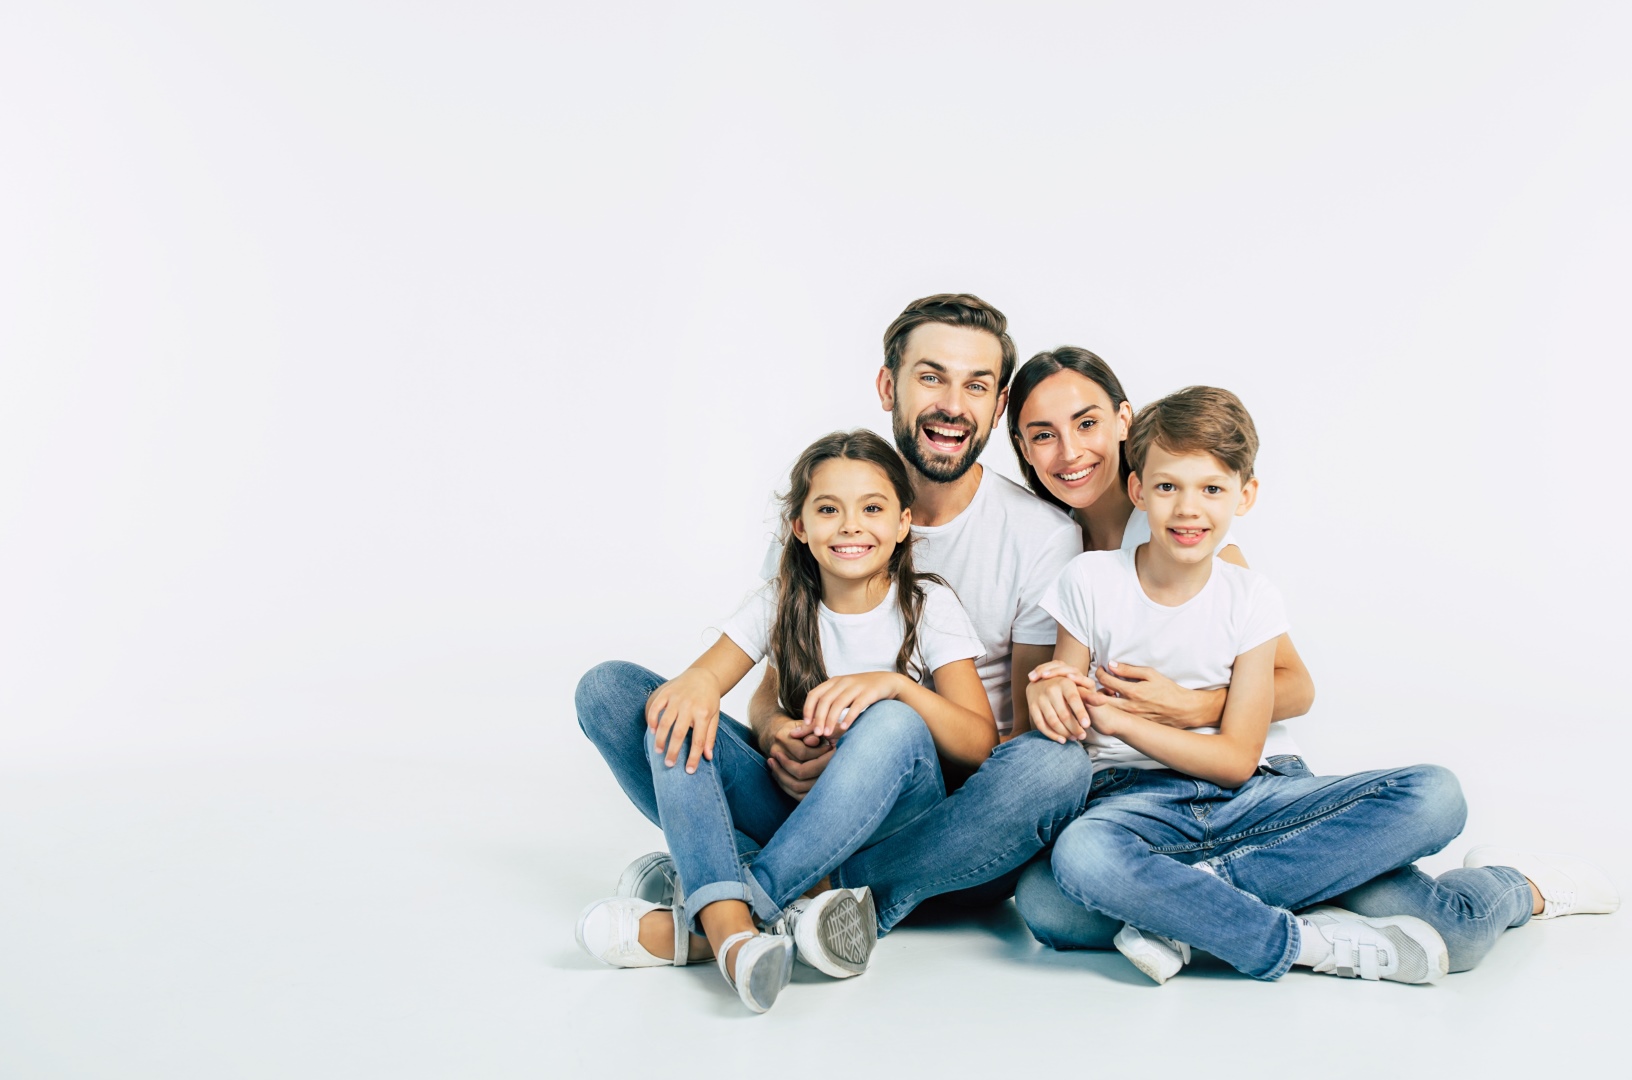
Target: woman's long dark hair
[(796, 641), (1040, 367)]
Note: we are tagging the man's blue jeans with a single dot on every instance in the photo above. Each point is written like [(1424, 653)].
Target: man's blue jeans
[(733, 834), (1275, 844), (975, 841)]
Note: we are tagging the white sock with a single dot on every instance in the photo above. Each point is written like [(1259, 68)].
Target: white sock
[(1312, 945)]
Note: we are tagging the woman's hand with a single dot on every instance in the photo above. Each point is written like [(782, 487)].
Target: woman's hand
[(1108, 720), (833, 706), (1147, 693), (689, 702), (1056, 704)]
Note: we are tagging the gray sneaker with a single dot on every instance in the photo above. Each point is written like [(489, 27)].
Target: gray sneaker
[(650, 878), (1400, 948), (835, 932)]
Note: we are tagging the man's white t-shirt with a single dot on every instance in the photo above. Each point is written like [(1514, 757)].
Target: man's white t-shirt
[(1000, 554), (870, 640), (1099, 600)]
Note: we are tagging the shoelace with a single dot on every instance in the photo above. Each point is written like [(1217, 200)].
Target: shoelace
[(1560, 903)]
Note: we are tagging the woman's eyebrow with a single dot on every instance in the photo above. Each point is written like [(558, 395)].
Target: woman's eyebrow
[(1075, 415)]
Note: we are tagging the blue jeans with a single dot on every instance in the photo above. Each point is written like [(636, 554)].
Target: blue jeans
[(733, 834), (1276, 843), (976, 840)]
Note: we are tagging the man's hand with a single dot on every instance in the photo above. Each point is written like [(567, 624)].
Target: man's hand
[(1057, 708), (796, 760)]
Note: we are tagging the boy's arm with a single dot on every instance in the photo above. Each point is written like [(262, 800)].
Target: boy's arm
[(1056, 704), (1228, 758)]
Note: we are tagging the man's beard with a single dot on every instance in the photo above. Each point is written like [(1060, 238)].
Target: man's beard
[(940, 468)]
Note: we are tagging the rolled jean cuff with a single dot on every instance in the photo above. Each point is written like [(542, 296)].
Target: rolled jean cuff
[(698, 899), (1294, 939)]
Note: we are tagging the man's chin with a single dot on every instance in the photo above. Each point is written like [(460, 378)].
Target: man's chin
[(941, 468)]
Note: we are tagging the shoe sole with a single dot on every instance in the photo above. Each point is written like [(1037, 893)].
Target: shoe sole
[(843, 936), (1148, 958), (767, 978), (648, 878), (1423, 934)]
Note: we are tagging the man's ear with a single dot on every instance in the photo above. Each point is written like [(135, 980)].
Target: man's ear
[(1136, 490), (1002, 403), (886, 389), (1249, 495), (906, 525)]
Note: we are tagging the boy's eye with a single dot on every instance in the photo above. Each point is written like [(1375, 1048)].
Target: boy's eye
[(1214, 489), (1165, 486)]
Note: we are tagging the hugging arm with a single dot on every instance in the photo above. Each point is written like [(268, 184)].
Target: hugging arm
[(1147, 693)]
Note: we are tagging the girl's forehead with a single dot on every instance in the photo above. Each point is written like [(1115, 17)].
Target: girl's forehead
[(849, 476)]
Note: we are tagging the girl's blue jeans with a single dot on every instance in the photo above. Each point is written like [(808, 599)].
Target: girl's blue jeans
[(1276, 844), (732, 832)]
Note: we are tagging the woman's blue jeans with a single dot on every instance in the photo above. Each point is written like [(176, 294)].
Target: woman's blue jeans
[(732, 832), (1274, 845)]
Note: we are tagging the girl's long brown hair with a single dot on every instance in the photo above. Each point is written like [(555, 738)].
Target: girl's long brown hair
[(796, 642)]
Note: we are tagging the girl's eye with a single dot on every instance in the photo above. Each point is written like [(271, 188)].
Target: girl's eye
[(874, 508), (827, 509)]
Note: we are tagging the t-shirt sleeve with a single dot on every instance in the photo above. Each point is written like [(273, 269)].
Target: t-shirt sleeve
[(945, 632), (1265, 617), (750, 627), (1034, 625), (1069, 603), (771, 565)]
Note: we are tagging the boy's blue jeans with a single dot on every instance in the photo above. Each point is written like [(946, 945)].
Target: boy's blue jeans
[(1276, 844), (733, 834)]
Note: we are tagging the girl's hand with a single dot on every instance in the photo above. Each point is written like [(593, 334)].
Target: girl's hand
[(690, 702), (833, 706), (1057, 708)]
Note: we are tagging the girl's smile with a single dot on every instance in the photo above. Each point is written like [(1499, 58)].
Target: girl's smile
[(852, 522)]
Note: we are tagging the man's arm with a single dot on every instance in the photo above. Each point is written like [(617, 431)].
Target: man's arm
[(1021, 662), (794, 763)]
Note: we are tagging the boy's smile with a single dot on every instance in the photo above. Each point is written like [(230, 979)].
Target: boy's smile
[(1190, 499)]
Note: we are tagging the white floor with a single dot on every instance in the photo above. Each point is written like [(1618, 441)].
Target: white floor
[(402, 918)]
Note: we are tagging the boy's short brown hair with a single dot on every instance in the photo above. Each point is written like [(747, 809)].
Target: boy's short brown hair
[(953, 309), (1197, 419)]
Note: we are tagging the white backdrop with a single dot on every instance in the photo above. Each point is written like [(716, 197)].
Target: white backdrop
[(370, 371)]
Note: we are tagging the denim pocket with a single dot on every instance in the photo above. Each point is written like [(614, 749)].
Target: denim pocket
[(1287, 765)]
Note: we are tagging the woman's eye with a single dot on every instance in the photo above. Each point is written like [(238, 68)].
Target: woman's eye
[(1086, 424), (1041, 435)]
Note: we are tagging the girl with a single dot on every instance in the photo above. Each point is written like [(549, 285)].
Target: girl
[(1068, 418), (854, 634)]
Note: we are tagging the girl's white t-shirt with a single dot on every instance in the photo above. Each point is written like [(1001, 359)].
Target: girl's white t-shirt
[(1099, 600), (870, 640)]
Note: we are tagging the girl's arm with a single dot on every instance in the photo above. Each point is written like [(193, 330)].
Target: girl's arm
[(691, 702), (1228, 758), (957, 712)]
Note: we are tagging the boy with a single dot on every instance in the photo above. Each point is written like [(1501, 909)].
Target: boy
[(1159, 846)]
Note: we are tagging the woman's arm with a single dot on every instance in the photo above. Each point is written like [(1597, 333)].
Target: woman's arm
[(1228, 758), (691, 702), (957, 712)]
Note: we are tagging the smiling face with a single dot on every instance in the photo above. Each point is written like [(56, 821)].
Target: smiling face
[(1071, 435), (1190, 499), (851, 520), (943, 398)]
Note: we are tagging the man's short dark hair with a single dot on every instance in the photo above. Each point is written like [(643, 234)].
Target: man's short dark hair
[(952, 309)]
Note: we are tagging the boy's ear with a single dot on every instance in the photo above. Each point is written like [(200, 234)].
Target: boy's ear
[(906, 525), (1136, 490), (1249, 495), (886, 389)]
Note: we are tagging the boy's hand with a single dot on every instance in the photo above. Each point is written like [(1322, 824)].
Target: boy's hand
[(689, 702), (1146, 692), (1057, 708), (796, 759), (833, 706), (1108, 720)]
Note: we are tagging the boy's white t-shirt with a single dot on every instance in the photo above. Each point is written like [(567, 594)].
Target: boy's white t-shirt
[(1099, 600), (1000, 555), (870, 640)]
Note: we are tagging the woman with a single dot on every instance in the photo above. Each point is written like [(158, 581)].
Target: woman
[(1068, 417)]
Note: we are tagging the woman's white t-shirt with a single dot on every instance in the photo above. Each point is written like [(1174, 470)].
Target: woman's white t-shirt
[(870, 640), (1099, 601)]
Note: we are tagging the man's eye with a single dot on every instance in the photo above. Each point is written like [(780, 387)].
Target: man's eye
[(928, 378), (977, 388)]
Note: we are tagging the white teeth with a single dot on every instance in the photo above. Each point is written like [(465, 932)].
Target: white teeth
[(1070, 476), (851, 550), (949, 433)]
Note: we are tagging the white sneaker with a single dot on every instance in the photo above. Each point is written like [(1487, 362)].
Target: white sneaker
[(1157, 956), (650, 877), (764, 966), (835, 932), (1568, 885), (609, 930), (1401, 948)]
